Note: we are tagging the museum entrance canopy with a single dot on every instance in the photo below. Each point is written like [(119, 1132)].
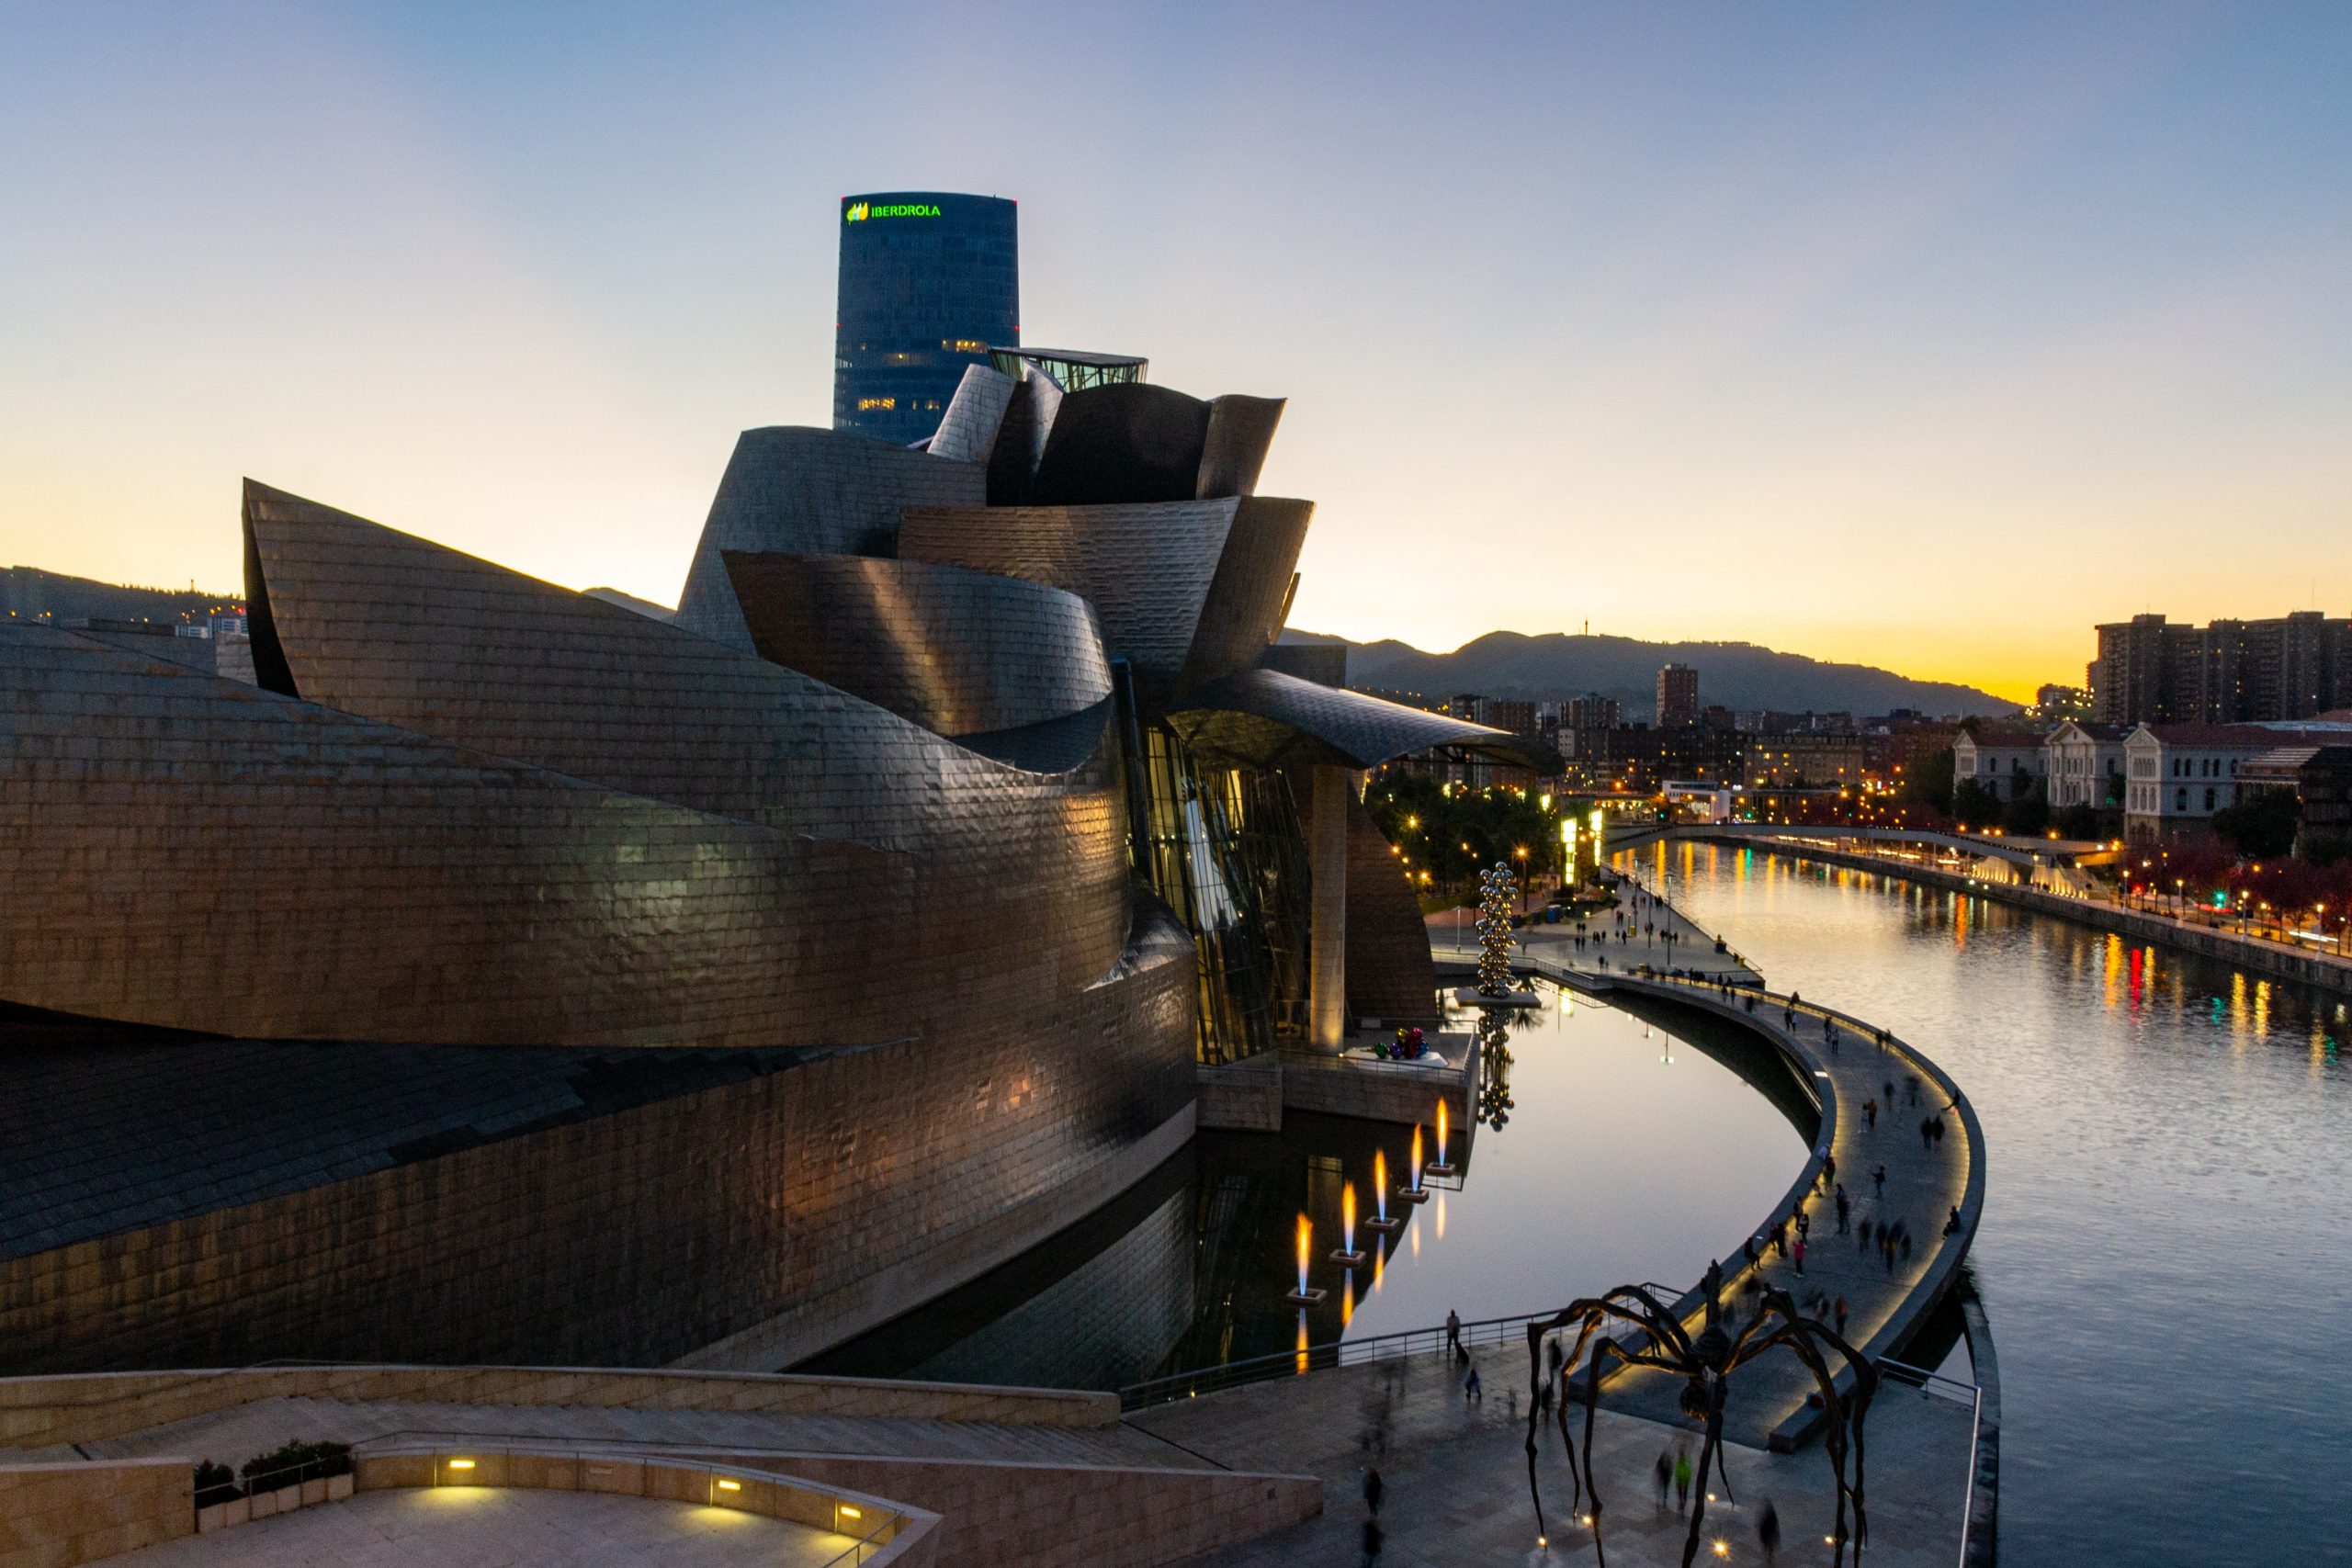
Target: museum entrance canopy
[(1265, 719)]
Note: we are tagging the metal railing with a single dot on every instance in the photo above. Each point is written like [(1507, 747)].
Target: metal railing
[(1934, 1385), (1352, 1353)]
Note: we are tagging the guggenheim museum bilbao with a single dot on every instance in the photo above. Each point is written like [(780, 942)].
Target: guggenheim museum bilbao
[(513, 977)]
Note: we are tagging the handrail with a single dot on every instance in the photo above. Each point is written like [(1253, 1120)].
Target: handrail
[(1396, 1346)]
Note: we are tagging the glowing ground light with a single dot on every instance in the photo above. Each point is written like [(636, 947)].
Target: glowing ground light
[(1417, 1156), (1722, 1549), (461, 1464), (1380, 1181), (1348, 1217), (1440, 1132), (1305, 1240)]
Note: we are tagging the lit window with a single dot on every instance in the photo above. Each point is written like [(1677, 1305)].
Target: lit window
[(865, 404)]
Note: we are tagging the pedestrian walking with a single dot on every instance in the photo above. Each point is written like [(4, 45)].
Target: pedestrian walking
[(1838, 1308), (1804, 1226), (1682, 1480), (1471, 1392), (1453, 1329), (1844, 1208), (1665, 1470), (1870, 1114), (1768, 1531), (1878, 1178), (1800, 1255), (1373, 1489), (1951, 1226), (1829, 1168)]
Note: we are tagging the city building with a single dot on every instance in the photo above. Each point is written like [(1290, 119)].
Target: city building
[(1678, 696), (2230, 672), (2085, 764), (2009, 763), (2178, 775), (930, 283), (510, 976), (1803, 760), (1642, 757), (1591, 710)]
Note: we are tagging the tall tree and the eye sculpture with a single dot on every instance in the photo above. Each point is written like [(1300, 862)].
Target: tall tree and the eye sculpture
[(1705, 1363)]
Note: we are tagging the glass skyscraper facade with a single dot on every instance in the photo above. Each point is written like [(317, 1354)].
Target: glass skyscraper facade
[(929, 281)]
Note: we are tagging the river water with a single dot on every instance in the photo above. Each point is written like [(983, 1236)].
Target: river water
[(2167, 1232)]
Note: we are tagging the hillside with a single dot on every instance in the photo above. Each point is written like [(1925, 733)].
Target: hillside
[(1735, 674)]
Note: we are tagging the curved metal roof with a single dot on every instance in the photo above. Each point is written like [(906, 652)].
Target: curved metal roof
[(1268, 719)]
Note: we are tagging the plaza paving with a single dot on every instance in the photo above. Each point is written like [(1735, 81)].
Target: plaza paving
[(1457, 1473), (1453, 937), (468, 1526)]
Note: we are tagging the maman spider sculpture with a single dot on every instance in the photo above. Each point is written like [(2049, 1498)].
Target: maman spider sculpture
[(1705, 1363)]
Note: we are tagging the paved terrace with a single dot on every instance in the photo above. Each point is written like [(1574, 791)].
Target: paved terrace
[(495, 1527), (1457, 1473), (1642, 938)]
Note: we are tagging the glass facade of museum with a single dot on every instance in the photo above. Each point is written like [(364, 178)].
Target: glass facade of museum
[(929, 281)]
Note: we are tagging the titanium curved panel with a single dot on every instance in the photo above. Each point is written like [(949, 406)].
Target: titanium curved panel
[(411, 634), (967, 431), (958, 652), (1147, 569), (620, 1208), (220, 858), (1020, 438), (814, 492), (1265, 718), (1242, 614), (1123, 444), (1241, 429)]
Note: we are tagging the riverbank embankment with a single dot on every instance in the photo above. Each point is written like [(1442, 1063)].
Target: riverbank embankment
[(2256, 954)]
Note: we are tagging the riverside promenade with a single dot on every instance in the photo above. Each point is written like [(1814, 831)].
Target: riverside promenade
[(1841, 1066), (1456, 1471)]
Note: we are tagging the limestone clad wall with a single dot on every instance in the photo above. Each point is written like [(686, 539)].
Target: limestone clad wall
[(53, 1515), (1390, 975), (1063, 1516)]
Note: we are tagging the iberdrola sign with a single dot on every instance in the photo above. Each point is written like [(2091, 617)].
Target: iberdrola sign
[(859, 211)]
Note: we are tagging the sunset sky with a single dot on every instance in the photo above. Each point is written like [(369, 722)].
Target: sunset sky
[(1920, 335)]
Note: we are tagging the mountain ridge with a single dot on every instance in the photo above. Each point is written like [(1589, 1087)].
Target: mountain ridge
[(1740, 675)]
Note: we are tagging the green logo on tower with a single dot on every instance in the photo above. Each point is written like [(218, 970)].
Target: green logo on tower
[(859, 211)]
